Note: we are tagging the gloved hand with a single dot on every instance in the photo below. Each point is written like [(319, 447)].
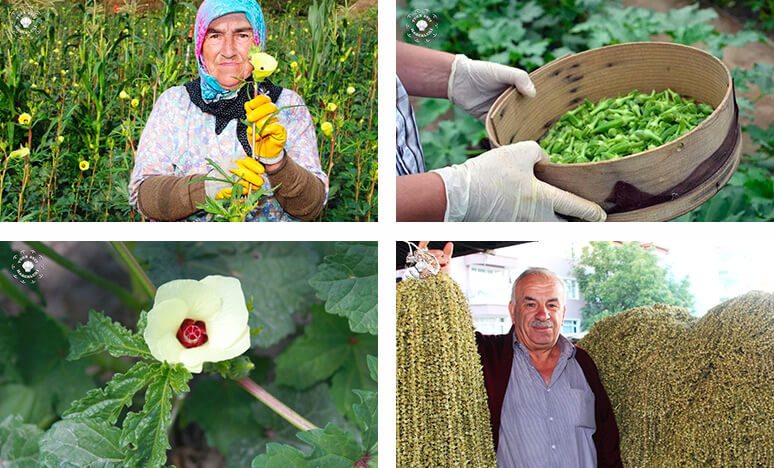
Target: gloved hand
[(270, 141), (474, 85), (500, 185), (247, 169)]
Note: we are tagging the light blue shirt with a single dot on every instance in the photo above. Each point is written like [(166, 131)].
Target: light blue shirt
[(547, 426), (410, 159)]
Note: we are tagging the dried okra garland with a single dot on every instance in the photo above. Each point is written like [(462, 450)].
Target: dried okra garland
[(690, 392), (442, 410)]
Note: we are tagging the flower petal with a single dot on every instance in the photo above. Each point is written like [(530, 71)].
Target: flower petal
[(202, 301), (193, 357), (160, 333), (226, 326)]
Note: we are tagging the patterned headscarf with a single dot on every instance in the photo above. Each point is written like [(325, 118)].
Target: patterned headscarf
[(210, 10)]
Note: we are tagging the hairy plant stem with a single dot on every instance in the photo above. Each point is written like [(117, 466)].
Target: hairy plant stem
[(123, 294), (277, 406)]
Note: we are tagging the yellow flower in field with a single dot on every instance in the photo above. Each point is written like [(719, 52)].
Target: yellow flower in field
[(331, 107), (292, 52), (64, 71), (33, 86), (25, 119), (59, 139), (327, 128), (53, 78), (293, 65), (56, 51), (350, 90), (135, 102), (20, 153), (123, 95), (83, 165), (32, 62)]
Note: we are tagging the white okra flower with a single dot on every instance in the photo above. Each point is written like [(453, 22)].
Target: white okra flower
[(193, 322)]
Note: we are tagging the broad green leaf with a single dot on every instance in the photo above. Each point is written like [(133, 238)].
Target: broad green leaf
[(326, 346), (8, 349), (366, 417), (348, 378), (222, 410), (100, 334), (29, 403), (65, 383), (41, 344), (19, 443), (276, 274), (281, 456), (347, 283), (106, 403), (241, 453), (79, 443), (373, 367), (144, 434), (332, 441)]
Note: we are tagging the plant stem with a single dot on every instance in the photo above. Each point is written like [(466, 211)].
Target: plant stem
[(134, 268), (124, 295), (277, 406)]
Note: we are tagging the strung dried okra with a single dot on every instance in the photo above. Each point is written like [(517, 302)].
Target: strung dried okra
[(617, 127), (442, 411), (688, 392)]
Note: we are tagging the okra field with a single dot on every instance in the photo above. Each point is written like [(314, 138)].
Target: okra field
[(533, 33), (81, 382), (78, 85)]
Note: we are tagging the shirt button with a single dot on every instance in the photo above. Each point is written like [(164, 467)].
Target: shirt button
[(550, 419), (553, 446), (549, 390)]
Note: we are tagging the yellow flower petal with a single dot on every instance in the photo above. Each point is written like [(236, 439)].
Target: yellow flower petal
[(84, 165), (135, 102), (123, 95), (331, 107), (25, 119), (350, 90), (20, 153), (327, 128)]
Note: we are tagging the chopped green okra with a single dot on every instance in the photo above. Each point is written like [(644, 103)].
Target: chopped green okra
[(618, 127)]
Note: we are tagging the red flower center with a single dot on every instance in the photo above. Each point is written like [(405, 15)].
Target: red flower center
[(192, 333)]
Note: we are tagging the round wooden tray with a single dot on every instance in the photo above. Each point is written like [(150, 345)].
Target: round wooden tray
[(655, 185)]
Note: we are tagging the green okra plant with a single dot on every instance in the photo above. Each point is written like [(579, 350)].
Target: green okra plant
[(618, 127), (184, 363)]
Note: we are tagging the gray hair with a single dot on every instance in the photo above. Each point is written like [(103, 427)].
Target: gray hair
[(544, 272)]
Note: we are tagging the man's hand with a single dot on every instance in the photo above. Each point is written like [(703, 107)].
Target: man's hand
[(249, 172), (271, 137), (500, 185), (444, 256), (475, 85)]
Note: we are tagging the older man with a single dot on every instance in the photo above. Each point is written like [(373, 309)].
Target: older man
[(548, 406)]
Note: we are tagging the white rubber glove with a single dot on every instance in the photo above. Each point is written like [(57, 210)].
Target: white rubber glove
[(475, 85), (500, 185)]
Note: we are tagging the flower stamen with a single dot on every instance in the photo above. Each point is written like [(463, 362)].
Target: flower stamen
[(192, 333)]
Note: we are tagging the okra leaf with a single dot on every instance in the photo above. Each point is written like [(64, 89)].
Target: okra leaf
[(100, 334), (281, 456), (332, 442), (326, 346), (366, 416), (81, 442), (19, 443), (108, 402), (346, 282), (144, 434)]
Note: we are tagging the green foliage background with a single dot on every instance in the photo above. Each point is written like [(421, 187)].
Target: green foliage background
[(532, 33), (613, 278), (315, 307), (69, 73)]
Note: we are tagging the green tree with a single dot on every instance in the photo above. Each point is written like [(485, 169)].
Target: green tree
[(616, 277)]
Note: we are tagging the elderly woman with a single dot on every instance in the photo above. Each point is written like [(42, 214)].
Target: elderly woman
[(204, 119)]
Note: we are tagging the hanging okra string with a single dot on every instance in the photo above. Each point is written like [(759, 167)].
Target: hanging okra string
[(618, 127)]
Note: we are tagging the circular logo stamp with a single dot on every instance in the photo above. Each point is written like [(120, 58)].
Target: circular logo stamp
[(421, 25), (27, 266), (26, 19)]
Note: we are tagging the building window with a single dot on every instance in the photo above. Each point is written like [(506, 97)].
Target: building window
[(570, 326), (488, 285), (573, 292)]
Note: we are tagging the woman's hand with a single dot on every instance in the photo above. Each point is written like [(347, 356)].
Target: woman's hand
[(271, 137), (249, 172)]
